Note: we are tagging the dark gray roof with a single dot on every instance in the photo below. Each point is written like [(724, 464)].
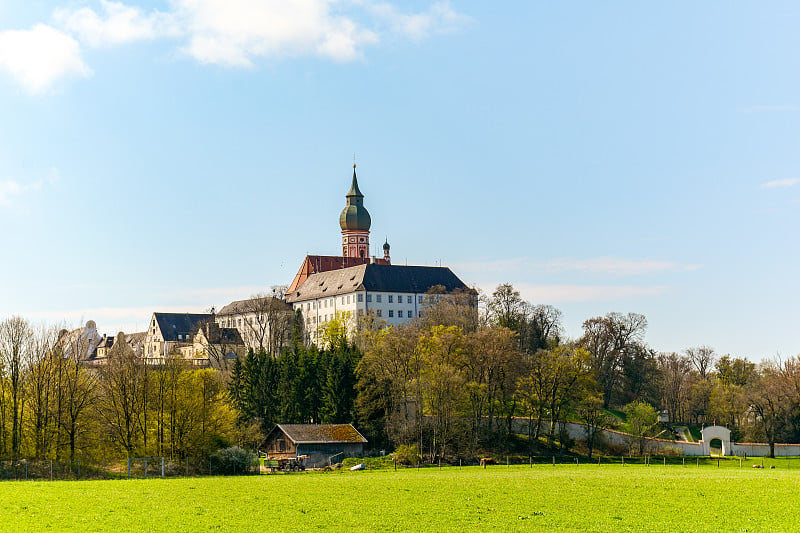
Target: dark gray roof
[(174, 324), (320, 433), (376, 278)]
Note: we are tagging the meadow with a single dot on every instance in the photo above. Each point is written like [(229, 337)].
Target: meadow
[(586, 497)]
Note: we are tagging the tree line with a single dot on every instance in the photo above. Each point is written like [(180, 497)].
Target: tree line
[(55, 406), (471, 373)]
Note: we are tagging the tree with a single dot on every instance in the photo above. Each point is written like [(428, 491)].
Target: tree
[(267, 322), (540, 328), (77, 386), (15, 348), (41, 390), (592, 413), (640, 421), (123, 395), (766, 396), (610, 340), (458, 308), (702, 357), (675, 373), (506, 307)]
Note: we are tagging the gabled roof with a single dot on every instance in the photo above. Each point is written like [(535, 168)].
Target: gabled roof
[(217, 335), (378, 278), (320, 433), (174, 324), (240, 307), (314, 264)]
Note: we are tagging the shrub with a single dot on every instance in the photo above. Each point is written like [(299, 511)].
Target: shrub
[(233, 460), (406, 454)]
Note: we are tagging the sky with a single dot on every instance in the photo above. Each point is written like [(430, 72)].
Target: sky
[(618, 156)]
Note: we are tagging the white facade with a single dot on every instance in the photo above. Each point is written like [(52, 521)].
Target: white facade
[(391, 308)]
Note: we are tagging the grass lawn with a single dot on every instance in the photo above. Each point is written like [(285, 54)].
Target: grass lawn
[(500, 498)]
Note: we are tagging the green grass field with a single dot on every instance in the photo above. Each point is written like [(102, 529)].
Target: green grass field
[(499, 498)]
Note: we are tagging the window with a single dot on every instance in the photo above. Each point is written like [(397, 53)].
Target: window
[(391, 299), (391, 312), (369, 298), (421, 299), (399, 298), (409, 300), (360, 297), (378, 298), (378, 312)]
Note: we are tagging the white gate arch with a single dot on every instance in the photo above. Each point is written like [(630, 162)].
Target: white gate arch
[(716, 432)]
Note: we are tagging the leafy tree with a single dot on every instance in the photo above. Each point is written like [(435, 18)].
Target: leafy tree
[(592, 413), (611, 341), (641, 420)]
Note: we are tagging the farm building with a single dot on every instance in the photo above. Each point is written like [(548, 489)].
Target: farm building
[(321, 443)]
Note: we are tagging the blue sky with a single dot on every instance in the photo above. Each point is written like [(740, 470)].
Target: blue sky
[(601, 156)]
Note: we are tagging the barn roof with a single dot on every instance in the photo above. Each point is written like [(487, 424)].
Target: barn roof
[(321, 433)]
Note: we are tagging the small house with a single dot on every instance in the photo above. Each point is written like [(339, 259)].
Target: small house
[(322, 444)]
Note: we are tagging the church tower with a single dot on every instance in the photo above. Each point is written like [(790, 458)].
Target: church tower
[(355, 223)]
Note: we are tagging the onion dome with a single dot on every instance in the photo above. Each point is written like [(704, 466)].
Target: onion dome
[(354, 215), (386, 246)]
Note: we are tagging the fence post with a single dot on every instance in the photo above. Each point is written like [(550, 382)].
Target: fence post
[(145, 467), (623, 460), (129, 467), (162, 466), (554, 460), (26, 470), (665, 460), (51, 470)]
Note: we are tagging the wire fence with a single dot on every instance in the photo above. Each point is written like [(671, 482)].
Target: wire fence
[(133, 467)]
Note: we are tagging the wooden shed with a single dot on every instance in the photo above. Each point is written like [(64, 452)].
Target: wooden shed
[(322, 444)]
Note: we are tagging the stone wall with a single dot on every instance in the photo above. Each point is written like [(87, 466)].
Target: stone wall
[(578, 432)]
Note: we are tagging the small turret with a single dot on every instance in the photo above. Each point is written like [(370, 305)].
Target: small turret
[(386, 252)]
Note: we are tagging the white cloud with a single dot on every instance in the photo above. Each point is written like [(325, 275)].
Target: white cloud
[(234, 32), (595, 265), (117, 24), (556, 294), (789, 182), (438, 19), (618, 266), (10, 189), (39, 57)]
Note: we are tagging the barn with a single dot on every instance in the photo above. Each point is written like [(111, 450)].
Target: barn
[(322, 444)]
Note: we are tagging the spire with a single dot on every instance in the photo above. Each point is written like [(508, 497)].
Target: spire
[(354, 190), (355, 216)]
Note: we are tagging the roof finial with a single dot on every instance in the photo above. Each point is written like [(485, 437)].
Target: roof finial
[(354, 160)]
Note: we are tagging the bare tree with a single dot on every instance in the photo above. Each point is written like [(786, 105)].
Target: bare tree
[(703, 358)]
